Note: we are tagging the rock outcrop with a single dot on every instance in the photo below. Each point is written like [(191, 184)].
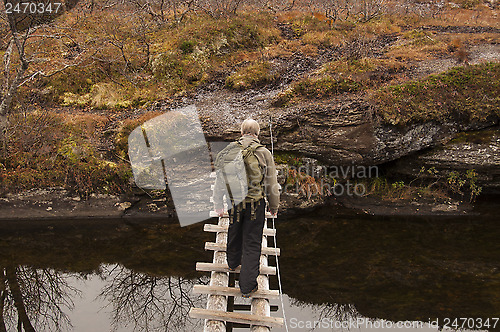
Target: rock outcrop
[(343, 131), (479, 150), (346, 130)]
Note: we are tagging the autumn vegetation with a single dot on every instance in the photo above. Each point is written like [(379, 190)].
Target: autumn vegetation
[(80, 81)]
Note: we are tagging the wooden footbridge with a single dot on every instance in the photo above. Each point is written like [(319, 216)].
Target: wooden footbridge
[(220, 313)]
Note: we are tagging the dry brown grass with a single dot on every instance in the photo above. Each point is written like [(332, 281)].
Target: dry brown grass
[(370, 73), (324, 38), (284, 48), (456, 41), (87, 125), (247, 56), (365, 65), (309, 50), (406, 53), (382, 26), (417, 45), (288, 16), (249, 36), (479, 16), (482, 38)]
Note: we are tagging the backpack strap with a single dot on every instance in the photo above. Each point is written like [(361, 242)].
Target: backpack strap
[(254, 206), (252, 148)]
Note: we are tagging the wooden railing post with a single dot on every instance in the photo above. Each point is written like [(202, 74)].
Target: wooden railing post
[(218, 302), (261, 307)]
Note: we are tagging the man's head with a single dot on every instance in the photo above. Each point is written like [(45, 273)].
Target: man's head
[(250, 127)]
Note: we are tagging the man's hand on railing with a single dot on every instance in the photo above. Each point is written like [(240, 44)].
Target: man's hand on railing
[(220, 212)]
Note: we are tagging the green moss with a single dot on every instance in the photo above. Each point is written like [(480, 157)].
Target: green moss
[(478, 137), (317, 88), (350, 66), (187, 46), (76, 80), (462, 93), (251, 76)]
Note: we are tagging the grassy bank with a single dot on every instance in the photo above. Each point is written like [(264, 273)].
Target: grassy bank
[(46, 149), (467, 93), (135, 69), (131, 60)]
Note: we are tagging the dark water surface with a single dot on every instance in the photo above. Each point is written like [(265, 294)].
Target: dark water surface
[(336, 267)]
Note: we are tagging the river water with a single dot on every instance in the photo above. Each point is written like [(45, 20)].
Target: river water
[(339, 271)]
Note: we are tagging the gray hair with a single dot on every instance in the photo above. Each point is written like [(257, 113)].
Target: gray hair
[(250, 126)]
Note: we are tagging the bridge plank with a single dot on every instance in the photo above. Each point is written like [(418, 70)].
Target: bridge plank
[(236, 317), (214, 214), (222, 247), (233, 291), (216, 228), (213, 267)]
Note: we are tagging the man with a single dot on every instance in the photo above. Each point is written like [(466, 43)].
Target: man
[(247, 218)]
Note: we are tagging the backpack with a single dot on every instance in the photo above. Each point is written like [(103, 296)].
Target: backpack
[(243, 176)]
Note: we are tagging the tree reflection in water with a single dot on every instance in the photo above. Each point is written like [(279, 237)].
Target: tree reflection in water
[(339, 312), (35, 299), (40, 299), (329, 311), (151, 303)]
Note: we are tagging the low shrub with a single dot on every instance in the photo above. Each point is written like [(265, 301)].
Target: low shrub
[(430, 184), (306, 185), (52, 150)]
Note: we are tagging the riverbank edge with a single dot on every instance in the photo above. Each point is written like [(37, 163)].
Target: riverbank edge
[(58, 203)]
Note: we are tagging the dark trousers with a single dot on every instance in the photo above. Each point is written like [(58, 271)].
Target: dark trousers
[(244, 244)]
